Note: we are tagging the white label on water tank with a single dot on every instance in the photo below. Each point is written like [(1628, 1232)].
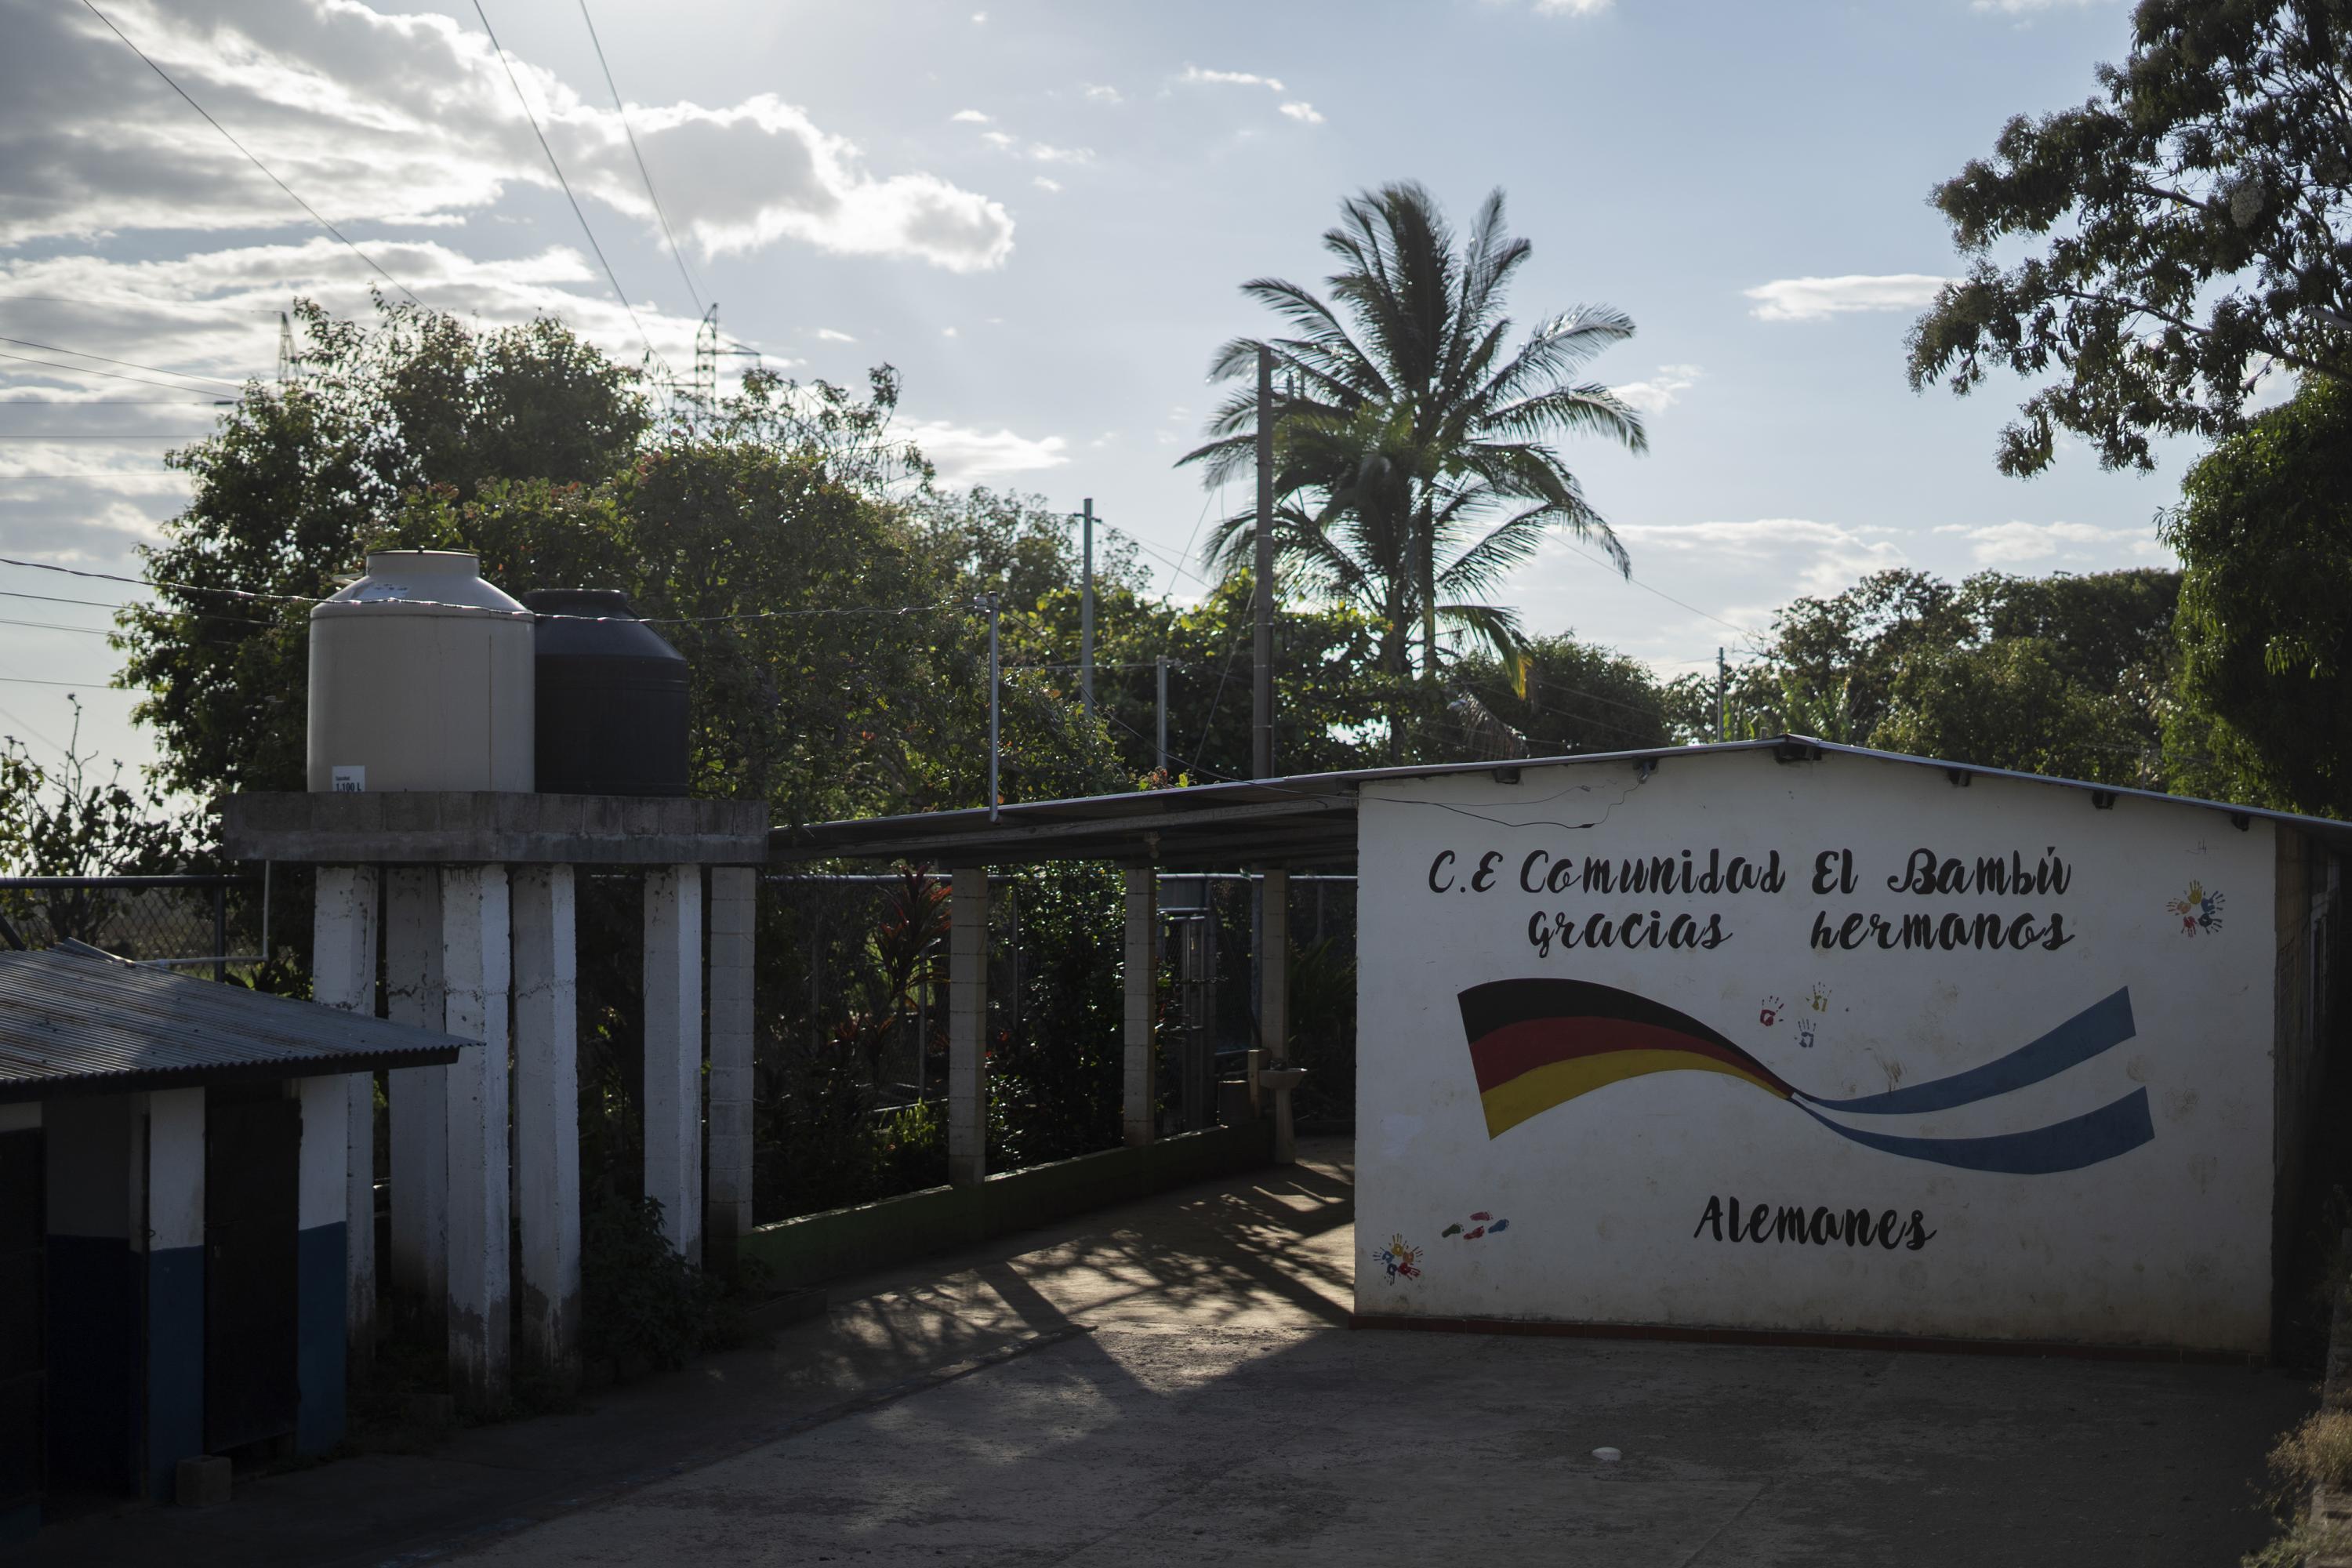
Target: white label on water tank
[(350, 778)]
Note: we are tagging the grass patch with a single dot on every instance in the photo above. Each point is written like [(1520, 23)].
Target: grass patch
[(2316, 1453)]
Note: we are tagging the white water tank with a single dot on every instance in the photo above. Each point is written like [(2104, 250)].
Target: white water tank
[(421, 678)]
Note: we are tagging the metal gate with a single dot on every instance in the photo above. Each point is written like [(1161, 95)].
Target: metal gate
[(252, 1186), (23, 1228)]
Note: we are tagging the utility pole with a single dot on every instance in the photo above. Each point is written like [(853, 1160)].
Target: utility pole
[(1087, 615), (1161, 662), (1262, 683), (289, 364), (989, 602), (1722, 697)]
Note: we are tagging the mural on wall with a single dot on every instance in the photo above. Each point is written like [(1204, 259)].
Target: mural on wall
[(1536, 1044), (2199, 911), (1399, 1259), (1984, 1064)]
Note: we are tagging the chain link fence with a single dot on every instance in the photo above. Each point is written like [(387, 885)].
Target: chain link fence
[(207, 925)]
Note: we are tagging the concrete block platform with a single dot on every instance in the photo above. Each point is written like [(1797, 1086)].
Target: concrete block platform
[(1172, 1380)]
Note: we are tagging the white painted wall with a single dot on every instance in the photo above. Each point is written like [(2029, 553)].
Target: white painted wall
[(1605, 1194)]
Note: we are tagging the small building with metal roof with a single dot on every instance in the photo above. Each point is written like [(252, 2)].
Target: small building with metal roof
[(172, 1194), (1777, 1037)]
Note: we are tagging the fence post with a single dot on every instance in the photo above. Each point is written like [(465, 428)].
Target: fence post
[(220, 929)]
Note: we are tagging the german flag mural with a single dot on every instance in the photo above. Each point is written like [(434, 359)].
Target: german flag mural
[(1537, 1044)]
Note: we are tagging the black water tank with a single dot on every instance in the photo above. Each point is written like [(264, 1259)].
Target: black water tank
[(610, 697)]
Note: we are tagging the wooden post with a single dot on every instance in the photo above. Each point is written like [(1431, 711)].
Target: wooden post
[(968, 1028), (547, 1116), (342, 975), (734, 914), (1141, 1080)]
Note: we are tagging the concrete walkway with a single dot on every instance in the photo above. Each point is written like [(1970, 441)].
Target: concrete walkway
[(1173, 1381)]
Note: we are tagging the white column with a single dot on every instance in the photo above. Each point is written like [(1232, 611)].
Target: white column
[(968, 1028), (419, 1096), (323, 1268), (673, 1053), (174, 1285), (342, 975), (1141, 1081), (1274, 1002), (734, 912), (547, 1116), (475, 968)]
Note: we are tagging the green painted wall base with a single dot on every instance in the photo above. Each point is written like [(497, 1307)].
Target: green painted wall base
[(820, 1247)]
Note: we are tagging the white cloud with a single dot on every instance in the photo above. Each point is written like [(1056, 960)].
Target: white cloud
[(1304, 113), (967, 456), (1043, 184), (2020, 7), (410, 119), (946, 332), (978, 17), (1815, 299), (1104, 93), (1662, 391), (1231, 78), (969, 117), (1813, 557), (1572, 7), (828, 335), (2022, 544), (1040, 152)]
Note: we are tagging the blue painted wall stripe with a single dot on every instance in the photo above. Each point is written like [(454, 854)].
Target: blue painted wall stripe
[(2098, 1028), (175, 1363), (2069, 1145), (320, 1351)]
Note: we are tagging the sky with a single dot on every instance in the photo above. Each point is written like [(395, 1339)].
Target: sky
[(1041, 214)]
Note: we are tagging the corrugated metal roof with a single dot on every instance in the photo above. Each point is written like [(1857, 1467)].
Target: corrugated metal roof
[(1307, 819), (74, 1020)]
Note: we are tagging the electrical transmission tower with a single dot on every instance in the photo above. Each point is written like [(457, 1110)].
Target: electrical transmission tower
[(709, 348), (289, 364)]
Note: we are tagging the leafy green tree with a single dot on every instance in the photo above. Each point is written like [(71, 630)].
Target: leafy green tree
[(1412, 457), (297, 478), (1560, 696), (2187, 230), (2264, 533), (2067, 675)]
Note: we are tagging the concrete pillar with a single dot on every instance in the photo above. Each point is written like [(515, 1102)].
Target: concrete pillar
[(1274, 1004), (176, 1285), (420, 1107), (734, 911), (547, 1117), (673, 1053), (1141, 1080), (321, 1271), (475, 962), (342, 975), (968, 1027)]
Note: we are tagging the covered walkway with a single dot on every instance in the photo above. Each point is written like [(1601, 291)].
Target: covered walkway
[(1173, 1381)]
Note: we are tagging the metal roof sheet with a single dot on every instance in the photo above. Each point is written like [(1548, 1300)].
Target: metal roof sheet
[(1307, 819), (74, 1020)]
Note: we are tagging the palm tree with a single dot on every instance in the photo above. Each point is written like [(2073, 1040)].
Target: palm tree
[(1412, 464)]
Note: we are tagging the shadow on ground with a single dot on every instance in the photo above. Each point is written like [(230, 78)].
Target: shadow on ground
[(1173, 1381)]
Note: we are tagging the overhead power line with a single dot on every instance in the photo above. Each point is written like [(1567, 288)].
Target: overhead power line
[(643, 172), (126, 364), (255, 596), (528, 113), (109, 374), (200, 108)]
